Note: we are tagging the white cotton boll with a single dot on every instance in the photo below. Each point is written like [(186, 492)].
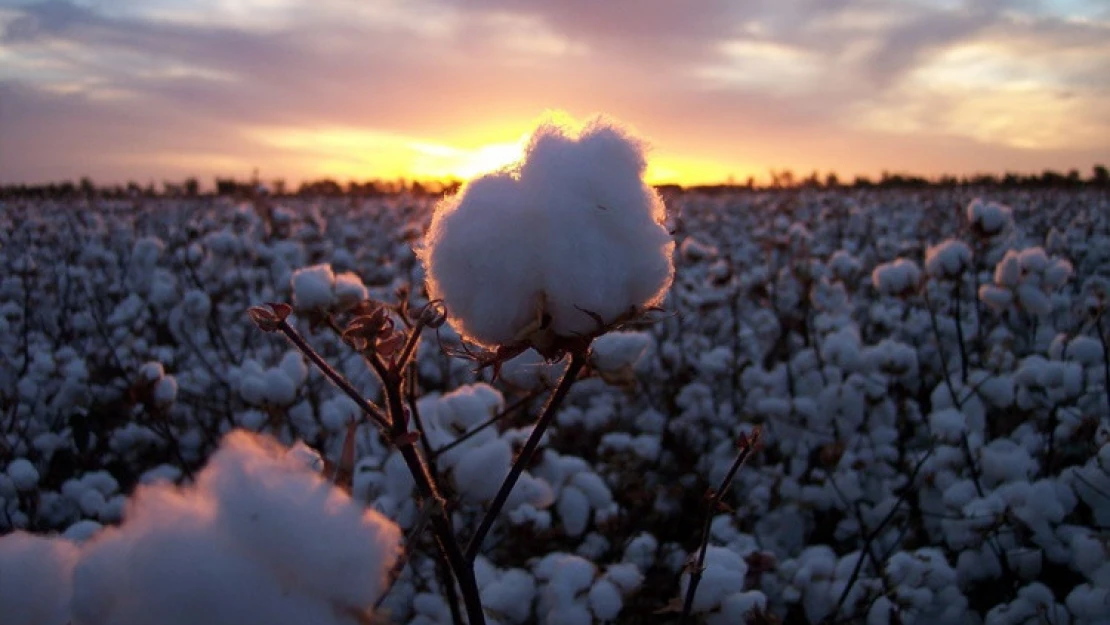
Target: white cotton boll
[(529, 371), (843, 265), (278, 389), (165, 391), (989, 218), (252, 388), (313, 288), (482, 261), (568, 614), (948, 425), (36, 579), (594, 488), (737, 607), (268, 504), (481, 469), (1088, 603), (898, 277), (532, 491), (575, 233), (349, 290), (724, 574), (641, 551), (617, 350), (1033, 260), (626, 576), (949, 259), (92, 502), (607, 251), (81, 531), (151, 371), (510, 595), (605, 600), (23, 474), (1058, 272), (573, 507), (294, 366), (1085, 350), (1033, 300), (306, 456), (1007, 273), (998, 299)]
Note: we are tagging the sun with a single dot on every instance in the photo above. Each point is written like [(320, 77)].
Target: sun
[(463, 163)]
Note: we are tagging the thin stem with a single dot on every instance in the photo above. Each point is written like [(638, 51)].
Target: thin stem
[(442, 528), (960, 334), (485, 424), (940, 348), (1105, 358), (748, 445), (364, 404), (410, 346), (873, 534), (577, 361)]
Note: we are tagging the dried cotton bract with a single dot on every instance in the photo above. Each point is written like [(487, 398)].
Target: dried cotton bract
[(563, 242)]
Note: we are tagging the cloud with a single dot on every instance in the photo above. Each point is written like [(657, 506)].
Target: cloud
[(193, 81)]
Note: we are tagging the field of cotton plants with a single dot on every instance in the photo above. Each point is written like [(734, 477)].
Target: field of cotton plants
[(915, 381)]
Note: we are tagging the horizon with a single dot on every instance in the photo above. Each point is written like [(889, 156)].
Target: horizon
[(432, 90)]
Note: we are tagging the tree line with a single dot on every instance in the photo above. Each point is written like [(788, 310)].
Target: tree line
[(1099, 177)]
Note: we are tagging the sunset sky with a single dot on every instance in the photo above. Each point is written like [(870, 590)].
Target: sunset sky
[(356, 89)]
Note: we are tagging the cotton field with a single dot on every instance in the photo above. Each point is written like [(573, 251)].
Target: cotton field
[(919, 378)]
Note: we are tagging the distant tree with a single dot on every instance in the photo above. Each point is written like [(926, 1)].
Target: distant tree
[(831, 180), (88, 189), (1100, 176), (192, 187)]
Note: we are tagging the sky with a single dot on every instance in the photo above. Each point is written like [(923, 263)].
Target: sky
[(154, 90)]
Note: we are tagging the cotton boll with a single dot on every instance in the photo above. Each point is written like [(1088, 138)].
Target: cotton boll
[(618, 350), (948, 425), (737, 607), (574, 509), (23, 474), (349, 290), (165, 391), (899, 277), (510, 595), (35, 579), (724, 574), (278, 388), (482, 261), (268, 504), (988, 219), (294, 366), (480, 470), (948, 260), (151, 371), (572, 235), (313, 288), (605, 600)]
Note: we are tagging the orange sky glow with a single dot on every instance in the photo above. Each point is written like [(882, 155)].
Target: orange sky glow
[(434, 89)]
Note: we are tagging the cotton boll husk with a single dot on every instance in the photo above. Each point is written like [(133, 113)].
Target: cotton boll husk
[(482, 261), (36, 579)]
